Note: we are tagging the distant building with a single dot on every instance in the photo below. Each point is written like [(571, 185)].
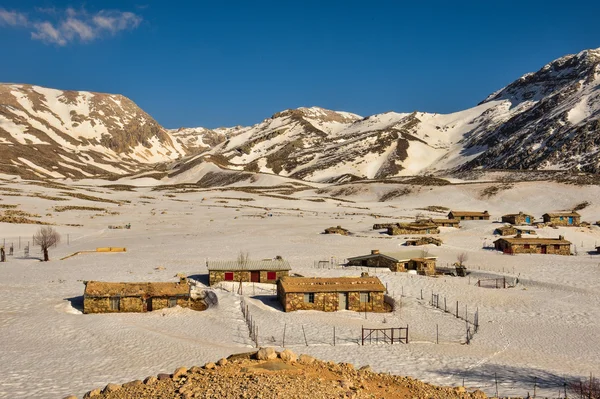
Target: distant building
[(533, 245), (397, 262), (562, 218), (513, 230), (413, 228), (108, 297), (518, 219), (446, 222), (330, 294), (336, 230), (257, 271), (423, 241), (468, 215)]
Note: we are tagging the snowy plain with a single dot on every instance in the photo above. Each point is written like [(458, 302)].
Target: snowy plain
[(543, 331)]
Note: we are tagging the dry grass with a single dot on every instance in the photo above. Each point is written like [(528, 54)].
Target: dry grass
[(8, 206), (91, 198), (78, 208)]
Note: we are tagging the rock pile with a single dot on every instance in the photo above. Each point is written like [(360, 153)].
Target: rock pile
[(269, 374)]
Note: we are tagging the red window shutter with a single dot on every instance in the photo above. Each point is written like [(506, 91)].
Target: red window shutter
[(228, 276), (271, 276)]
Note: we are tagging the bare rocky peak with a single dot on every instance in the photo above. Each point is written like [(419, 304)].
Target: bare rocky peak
[(319, 114)]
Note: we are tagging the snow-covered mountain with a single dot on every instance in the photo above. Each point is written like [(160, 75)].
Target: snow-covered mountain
[(54, 133), (544, 120)]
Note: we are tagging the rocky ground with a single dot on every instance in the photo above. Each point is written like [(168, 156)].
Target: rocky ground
[(268, 374)]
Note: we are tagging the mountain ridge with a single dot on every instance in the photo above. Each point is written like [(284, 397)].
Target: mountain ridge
[(545, 120)]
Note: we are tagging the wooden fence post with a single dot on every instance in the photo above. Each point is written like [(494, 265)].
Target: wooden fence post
[(283, 342), (333, 335), (303, 332)]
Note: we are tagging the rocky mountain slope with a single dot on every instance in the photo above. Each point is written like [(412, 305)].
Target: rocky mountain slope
[(547, 120), (54, 133)]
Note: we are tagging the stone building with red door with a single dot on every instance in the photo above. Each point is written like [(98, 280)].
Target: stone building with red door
[(257, 271), (533, 245)]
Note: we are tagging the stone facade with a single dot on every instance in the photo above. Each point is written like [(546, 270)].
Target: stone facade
[(506, 231), (518, 219), (101, 297), (563, 219), (423, 266), (413, 228), (446, 222), (423, 241), (216, 276), (520, 245), (329, 302), (464, 215)]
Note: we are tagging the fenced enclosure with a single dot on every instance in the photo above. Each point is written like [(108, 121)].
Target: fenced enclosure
[(495, 283), (398, 335), (471, 320)]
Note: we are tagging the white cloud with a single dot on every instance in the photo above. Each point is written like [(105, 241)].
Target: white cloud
[(12, 18), (62, 27)]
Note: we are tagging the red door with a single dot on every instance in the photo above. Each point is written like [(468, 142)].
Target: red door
[(544, 249), (255, 277)]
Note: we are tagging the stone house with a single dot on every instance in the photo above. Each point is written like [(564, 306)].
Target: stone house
[(413, 228), (467, 215), (446, 222), (256, 271), (330, 294), (422, 241), (513, 230), (562, 218), (518, 219), (336, 230), (108, 297), (506, 231), (533, 245), (397, 262)]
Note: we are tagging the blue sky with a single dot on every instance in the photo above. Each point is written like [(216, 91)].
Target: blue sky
[(223, 63)]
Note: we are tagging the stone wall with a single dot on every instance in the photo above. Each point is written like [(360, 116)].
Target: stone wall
[(563, 249), (398, 230), (216, 276), (329, 302), (520, 219), (555, 221), (375, 261), (137, 304)]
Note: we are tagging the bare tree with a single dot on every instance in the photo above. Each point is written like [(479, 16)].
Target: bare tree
[(46, 237), (242, 260), (462, 258), (586, 388)]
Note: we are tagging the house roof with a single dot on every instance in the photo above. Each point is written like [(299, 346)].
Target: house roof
[(469, 213), (417, 225), (395, 256), (108, 289), (556, 214), (516, 214), (535, 241), (251, 265), (331, 284)]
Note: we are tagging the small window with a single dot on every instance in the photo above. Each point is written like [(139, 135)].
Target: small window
[(271, 275), (365, 297), (526, 246), (309, 298), (561, 218), (115, 303), (172, 302), (557, 247), (228, 276)]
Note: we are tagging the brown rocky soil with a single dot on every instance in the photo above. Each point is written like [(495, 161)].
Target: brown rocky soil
[(277, 375)]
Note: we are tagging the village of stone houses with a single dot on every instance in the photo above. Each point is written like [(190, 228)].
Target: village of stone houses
[(448, 284)]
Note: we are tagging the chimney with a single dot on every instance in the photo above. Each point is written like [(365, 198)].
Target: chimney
[(364, 274), (374, 252), (561, 237), (518, 235)]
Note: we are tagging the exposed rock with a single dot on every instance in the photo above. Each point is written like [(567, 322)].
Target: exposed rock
[(180, 372), (209, 366), (133, 384), (150, 380), (306, 359), (266, 353), (288, 356), (222, 362), (163, 376), (111, 388)]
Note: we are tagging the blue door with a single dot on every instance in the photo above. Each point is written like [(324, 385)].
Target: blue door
[(570, 219), (527, 219)]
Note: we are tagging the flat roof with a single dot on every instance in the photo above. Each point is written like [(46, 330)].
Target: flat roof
[(554, 214), (251, 265), (469, 213), (108, 289), (331, 284), (395, 256), (535, 240)]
